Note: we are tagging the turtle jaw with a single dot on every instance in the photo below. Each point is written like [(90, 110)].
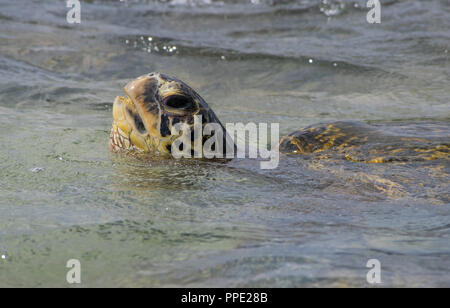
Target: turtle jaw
[(124, 135)]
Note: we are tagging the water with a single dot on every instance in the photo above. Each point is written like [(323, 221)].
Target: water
[(167, 223)]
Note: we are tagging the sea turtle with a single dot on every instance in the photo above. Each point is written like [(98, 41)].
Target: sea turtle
[(154, 103)]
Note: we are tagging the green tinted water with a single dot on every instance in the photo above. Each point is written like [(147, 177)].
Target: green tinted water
[(169, 223)]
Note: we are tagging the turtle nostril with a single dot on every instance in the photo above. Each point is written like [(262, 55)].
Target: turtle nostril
[(139, 124)]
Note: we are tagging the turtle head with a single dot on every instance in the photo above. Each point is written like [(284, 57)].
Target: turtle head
[(153, 104)]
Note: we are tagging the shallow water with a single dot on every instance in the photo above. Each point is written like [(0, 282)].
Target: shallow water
[(171, 223)]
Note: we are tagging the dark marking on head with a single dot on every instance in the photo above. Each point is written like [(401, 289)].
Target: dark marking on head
[(150, 89), (139, 124), (175, 121), (192, 137), (205, 118), (149, 95), (165, 130)]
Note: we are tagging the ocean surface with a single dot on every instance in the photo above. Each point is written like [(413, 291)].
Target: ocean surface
[(167, 223)]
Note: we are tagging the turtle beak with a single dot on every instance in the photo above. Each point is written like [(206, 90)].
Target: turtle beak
[(118, 112), (124, 134), (119, 139), (120, 116)]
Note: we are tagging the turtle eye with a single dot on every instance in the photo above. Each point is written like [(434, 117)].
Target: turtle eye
[(178, 102)]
